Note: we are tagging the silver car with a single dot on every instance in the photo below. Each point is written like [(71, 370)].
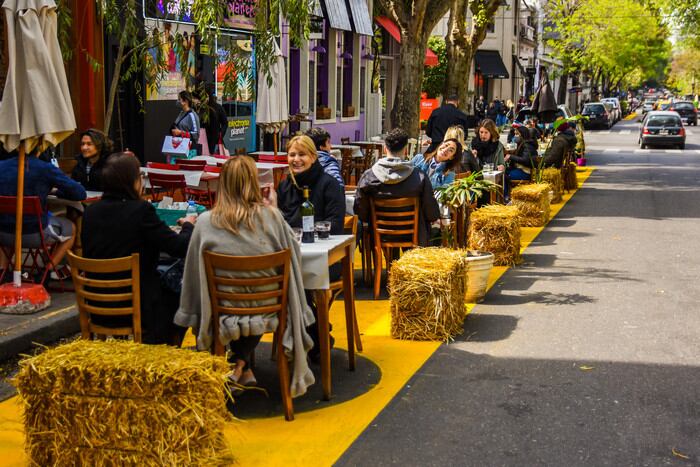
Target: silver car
[(662, 128)]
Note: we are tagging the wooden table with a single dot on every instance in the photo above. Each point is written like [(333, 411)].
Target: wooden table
[(369, 148), (338, 248)]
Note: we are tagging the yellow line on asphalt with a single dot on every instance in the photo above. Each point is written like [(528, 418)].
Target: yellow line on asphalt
[(631, 116), (321, 436)]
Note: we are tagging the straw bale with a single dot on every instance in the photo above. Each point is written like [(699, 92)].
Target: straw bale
[(121, 403), (552, 175), (496, 229), (532, 202), (570, 181), (426, 290)]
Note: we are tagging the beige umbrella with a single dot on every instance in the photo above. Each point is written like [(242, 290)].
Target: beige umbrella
[(272, 110), (36, 109)]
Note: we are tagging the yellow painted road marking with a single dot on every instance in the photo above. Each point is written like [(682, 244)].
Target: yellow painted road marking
[(318, 437)]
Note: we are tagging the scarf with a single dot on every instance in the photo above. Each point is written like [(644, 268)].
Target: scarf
[(485, 150)]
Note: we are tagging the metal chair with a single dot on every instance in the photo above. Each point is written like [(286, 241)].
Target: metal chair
[(221, 295), (193, 165), (167, 184), (394, 224), (99, 293)]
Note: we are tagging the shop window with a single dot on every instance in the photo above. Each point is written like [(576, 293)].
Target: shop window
[(321, 90)]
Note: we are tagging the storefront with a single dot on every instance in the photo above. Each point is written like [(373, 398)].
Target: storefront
[(488, 66), (191, 63), (328, 75)]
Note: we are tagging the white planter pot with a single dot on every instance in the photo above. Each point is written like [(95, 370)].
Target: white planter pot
[(478, 270)]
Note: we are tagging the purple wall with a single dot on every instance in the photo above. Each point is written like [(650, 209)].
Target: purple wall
[(355, 130)]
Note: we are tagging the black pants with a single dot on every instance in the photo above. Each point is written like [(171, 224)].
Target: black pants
[(243, 348), (334, 273)]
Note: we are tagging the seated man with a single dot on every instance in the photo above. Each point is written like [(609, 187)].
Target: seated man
[(562, 143), (395, 177), (322, 141), (40, 179)]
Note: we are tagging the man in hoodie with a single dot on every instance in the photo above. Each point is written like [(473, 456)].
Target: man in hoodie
[(322, 141), (395, 177)]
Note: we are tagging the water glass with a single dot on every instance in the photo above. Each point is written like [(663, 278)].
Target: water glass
[(298, 232)]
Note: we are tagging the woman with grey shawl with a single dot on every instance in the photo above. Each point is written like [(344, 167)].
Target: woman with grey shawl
[(242, 223)]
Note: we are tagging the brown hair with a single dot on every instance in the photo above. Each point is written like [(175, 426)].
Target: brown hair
[(101, 141), (452, 163), (491, 127), (239, 200), (119, 175)]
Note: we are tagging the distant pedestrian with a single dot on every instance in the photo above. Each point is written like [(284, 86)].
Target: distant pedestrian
[(441, 119), (480, 108), (322, 141)]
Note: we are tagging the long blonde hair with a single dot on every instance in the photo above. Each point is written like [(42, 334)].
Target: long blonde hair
[(306, 143), (456, 132), (239, 200)]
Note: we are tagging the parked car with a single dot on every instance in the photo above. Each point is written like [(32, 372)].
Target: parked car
[(662, 128), (687, 111), (616, 108), (598, 115)]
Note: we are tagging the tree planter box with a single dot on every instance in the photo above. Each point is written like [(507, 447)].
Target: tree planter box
[(349, 111), (323, 113)]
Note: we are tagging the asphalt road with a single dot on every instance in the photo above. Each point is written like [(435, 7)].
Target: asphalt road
[(589, 353)]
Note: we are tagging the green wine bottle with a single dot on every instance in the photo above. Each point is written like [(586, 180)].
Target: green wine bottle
[(307, 218)]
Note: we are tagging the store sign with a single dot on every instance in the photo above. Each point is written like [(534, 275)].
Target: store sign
[(239, 134), (239, 14)]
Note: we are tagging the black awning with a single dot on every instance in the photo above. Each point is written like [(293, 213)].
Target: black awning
[(360, 17), (337, 14), (490, 64)]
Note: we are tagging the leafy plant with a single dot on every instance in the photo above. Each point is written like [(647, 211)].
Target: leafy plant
[(464, 191), (434, 77)]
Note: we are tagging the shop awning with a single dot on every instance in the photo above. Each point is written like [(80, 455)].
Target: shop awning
[(360, 17), (490, 64), (430, 58), (337, 14)]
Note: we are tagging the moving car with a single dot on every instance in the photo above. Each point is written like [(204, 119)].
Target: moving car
[(598, 115), (616, 108), (648, 105), (687, 111), (662, 128)]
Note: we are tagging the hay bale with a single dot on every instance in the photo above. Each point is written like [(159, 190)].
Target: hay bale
[(570, 181), (120, 403), (426, 290), (552, 175), (496, 229), (532, 202)]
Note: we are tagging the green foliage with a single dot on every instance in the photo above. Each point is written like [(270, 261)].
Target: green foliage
[(64, 18), (685, 70), (434, 77), (464, 190)]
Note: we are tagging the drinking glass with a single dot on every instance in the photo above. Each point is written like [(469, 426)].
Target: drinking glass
[(323, 229), (298, 232)]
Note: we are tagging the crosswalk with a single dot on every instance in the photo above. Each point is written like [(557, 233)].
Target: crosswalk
[(609, 150), (688, 132)]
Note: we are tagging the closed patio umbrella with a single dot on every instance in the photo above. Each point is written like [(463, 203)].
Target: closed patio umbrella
[(36, 110), (272, 106), (545, 104)]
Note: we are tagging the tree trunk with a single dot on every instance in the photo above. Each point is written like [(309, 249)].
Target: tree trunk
[(114, 85), (459, 55), (406, 111)]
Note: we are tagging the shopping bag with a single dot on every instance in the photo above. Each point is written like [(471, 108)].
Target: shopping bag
[(176, 146)]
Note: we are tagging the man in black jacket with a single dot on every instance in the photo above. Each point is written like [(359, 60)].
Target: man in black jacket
[(394, 177), (442, 118), (216, 122)]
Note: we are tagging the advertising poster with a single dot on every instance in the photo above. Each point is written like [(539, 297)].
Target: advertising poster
[(177, 48), (240, 134)]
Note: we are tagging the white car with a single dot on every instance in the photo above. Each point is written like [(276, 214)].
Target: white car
[(617, 109)]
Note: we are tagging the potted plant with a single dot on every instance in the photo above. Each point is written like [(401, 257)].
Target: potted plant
[(479, 264)]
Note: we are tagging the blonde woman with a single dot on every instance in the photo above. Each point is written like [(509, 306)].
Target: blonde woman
[(486, 145), (325, 193), (243, 223)]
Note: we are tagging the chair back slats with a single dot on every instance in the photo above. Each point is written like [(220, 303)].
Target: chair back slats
[(162, 166), (31, 205), (400, 215), (187, 164), (248, 296), (167, 180), (95, 293), (462, 175)]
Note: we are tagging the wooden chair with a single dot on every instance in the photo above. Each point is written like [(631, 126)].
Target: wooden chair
[(462, 175), (167, 184), (346, 166), (336, 287), (394, 224), (345, 140), (215, 265), (39, 254), (192, 165), (93, 294), (240, 152)]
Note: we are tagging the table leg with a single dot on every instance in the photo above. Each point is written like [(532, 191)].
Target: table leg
[(324, 341), (349, 299)]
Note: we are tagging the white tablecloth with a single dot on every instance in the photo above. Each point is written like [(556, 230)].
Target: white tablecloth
[(260, 165), (314, 261)]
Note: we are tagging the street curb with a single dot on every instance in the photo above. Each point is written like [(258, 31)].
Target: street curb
[(45, 330)]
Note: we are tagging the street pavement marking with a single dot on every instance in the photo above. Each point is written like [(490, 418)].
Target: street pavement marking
[(641, 151), (612, 150), (317, 437), (626, 132), (673, 151), (604, 132)]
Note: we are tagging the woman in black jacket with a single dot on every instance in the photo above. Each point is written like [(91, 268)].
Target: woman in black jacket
[(522, 162), (95, 148), (120, 224), (325, 193)]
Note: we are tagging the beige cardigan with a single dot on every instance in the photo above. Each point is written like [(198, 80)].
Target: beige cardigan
[(271, 235)]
